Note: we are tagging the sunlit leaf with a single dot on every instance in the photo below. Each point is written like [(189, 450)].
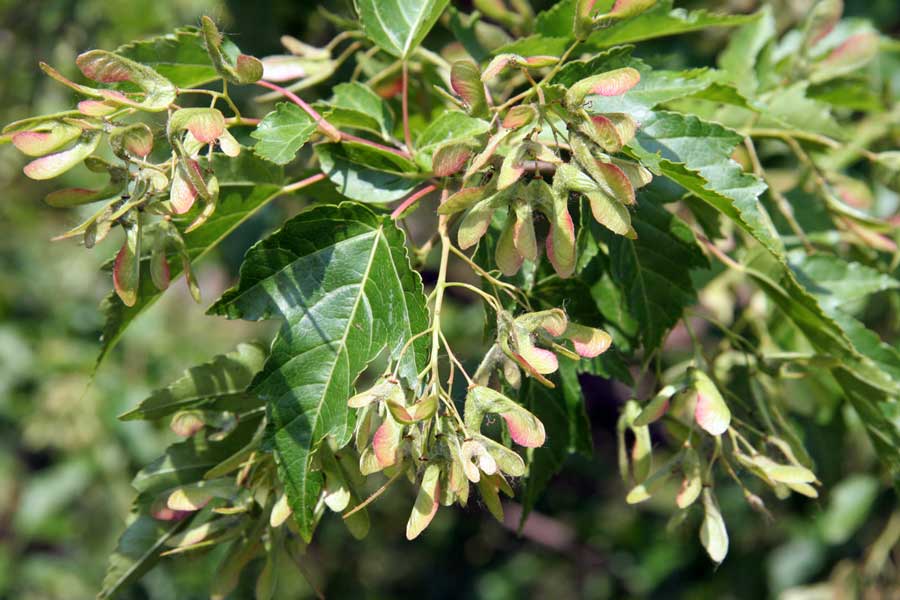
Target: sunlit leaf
[(373, 302)]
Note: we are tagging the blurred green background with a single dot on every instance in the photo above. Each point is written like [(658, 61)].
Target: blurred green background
[(66, 461)]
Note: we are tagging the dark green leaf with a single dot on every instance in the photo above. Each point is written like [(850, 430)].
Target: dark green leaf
[(282, 133), (340, 279), (180, 57), (354, 105), (562, 412), (654, 270)]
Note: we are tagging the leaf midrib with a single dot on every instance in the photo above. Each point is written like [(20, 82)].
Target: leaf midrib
[(314, 421), (341, 345)]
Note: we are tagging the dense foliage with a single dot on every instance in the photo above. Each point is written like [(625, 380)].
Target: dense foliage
[(584, 195)]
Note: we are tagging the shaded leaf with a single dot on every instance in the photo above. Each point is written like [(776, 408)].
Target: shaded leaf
[(180, 57), (362, 182), (224, 374), (355, 105), (137, 552), (654, 269), (562, 412)]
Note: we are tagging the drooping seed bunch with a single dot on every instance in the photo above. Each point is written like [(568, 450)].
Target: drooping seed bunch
[(138, 187), (553, 138)]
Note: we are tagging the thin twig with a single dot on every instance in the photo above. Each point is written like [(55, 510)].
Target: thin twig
[(299, 185), (727, 260), (373, 497), (455, 360), (412, 199), (353, 138), (800, 135), (327, 128)]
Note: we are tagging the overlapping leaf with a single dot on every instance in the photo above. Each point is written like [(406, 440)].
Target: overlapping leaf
[(339, 278), (190, 460), (356, 106), (225, 374), (654, 269), (660, 21), (696, 154), (137, 552), (366, 174), (562, 412), (180, 57), (869, 370)]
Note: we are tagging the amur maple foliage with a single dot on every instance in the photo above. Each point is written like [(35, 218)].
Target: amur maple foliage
[(592, 194)]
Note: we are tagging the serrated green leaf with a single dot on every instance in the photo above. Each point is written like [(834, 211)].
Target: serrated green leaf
[(282, 133), (819, 327), (836, 282), (246, 184), (452, 126), (556, 21), (654, 270), (791, 108), (399, 26), (224, 374), (738, 60), (656, 87), (869, 370), (696, 154), (340, 278)]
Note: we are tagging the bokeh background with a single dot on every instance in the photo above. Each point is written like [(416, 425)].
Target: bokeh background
[(66, 462)]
